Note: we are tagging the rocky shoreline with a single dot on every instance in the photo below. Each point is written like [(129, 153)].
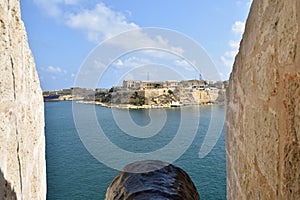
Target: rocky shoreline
[(130, 106)]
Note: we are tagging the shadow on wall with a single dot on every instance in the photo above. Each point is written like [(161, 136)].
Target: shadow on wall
[(6, 191)]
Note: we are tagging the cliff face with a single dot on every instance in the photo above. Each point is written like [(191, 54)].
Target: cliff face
[(263, 115), (22, 141)]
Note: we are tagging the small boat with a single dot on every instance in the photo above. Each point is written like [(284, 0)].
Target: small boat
[(176, 104), (48, 98)]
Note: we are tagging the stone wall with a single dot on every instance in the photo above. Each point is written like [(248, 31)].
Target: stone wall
[(127, 97), (263, 114), (22, 141), (202, 96)]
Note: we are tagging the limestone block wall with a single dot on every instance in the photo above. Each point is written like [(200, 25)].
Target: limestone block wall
[(22, 141), (203, 96), (263, 113)]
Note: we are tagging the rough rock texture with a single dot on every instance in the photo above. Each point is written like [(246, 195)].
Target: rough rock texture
[(22, 141), (209, 96), (263, 114), (156, 180)]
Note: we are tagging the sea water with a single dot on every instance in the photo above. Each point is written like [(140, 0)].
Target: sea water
[(73, 173)]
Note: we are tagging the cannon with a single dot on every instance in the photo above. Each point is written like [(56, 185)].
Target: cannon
[(152, 179)]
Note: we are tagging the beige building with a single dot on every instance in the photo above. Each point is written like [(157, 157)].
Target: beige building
[(131, 84)]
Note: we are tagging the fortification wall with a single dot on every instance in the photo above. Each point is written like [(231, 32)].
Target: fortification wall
[(22, 140), (263, 113)]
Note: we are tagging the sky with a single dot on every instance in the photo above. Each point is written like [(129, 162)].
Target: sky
[(100, 43)]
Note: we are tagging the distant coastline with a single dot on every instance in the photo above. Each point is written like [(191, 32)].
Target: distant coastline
[(147, 94)]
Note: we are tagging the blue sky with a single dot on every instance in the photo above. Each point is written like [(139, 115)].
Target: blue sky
[(62, 33)]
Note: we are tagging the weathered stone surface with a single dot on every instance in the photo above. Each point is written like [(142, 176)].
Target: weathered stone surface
[(22, 141), (263, 113), (152, 180)]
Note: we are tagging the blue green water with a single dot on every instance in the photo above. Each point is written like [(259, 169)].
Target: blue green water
[(72, 173)]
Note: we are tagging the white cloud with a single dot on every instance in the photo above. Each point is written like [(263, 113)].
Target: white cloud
[(184, 64), (234, 44), (55, 70), (238, 27), (242, 3), (249, 3), (228, 57), (53, 8), (131, 62), (163, 43), (181, 63), (99, 23), (154, 72), (238, 3), (50, 7), (98, 65), (71, 2), (118, 63), (227, 61), (155, 46)]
